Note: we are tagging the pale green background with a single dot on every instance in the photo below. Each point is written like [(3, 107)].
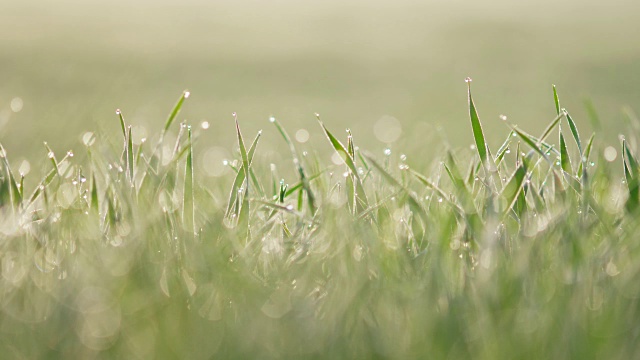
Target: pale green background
[(74, 62)]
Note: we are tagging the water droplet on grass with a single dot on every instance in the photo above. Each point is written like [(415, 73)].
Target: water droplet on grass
[(503, 117), (50, 155), (118, 112), (387, 151), (272, 119), (468, 80), (187, 94)]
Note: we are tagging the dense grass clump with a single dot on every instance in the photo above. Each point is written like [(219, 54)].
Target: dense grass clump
[(525, 251)]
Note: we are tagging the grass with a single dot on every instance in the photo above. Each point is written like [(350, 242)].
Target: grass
[(128, 252)]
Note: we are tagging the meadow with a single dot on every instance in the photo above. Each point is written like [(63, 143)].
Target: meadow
[(413, 216), (527, 250)]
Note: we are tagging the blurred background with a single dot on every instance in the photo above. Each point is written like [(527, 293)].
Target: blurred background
[(391, 71)]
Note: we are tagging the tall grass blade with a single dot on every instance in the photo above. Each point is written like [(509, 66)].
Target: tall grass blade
[(130, 161), (240, 176), (176, 110), (188, 201), (556, 100), (304, 181), (514, 187), (529, 140), (478, 135), (631, 175), (574, 131), (360, 194), (549, 128), (565, 161)]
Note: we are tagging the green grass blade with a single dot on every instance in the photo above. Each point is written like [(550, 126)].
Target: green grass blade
[(304, 181), (502, 150), (631, 160), (176, 110), (513, 188), (348, 160), (574, 131), (122, 123), (585, 156), (130, 162), (188, 201), (52, 157), (556, 100), (94, 194), (478, 134), (240, 177), (631, 175), (550, 127), (565, 161), (529, 140), (413, 203)]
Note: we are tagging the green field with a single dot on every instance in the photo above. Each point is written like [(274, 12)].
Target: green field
[(231, 220)]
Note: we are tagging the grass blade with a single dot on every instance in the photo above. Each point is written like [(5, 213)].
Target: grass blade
[(304, 181), (130, 162), (348, 160), (565, 161), (122, 123), (478, 134), (574, 131), (514, 186), (549, 128), (528, 139), (556, 100), (176, 110), (188, 201), (240, 176)]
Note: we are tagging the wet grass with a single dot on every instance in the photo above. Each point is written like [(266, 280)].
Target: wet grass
[(128, 251)]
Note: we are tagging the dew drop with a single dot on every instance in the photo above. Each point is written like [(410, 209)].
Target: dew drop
[(272, 119), (187, 94), (70, 153), (387, 151), (118, 112), (289, 207), (403, 157), (468, 80), (50, 154), (204, 125)]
